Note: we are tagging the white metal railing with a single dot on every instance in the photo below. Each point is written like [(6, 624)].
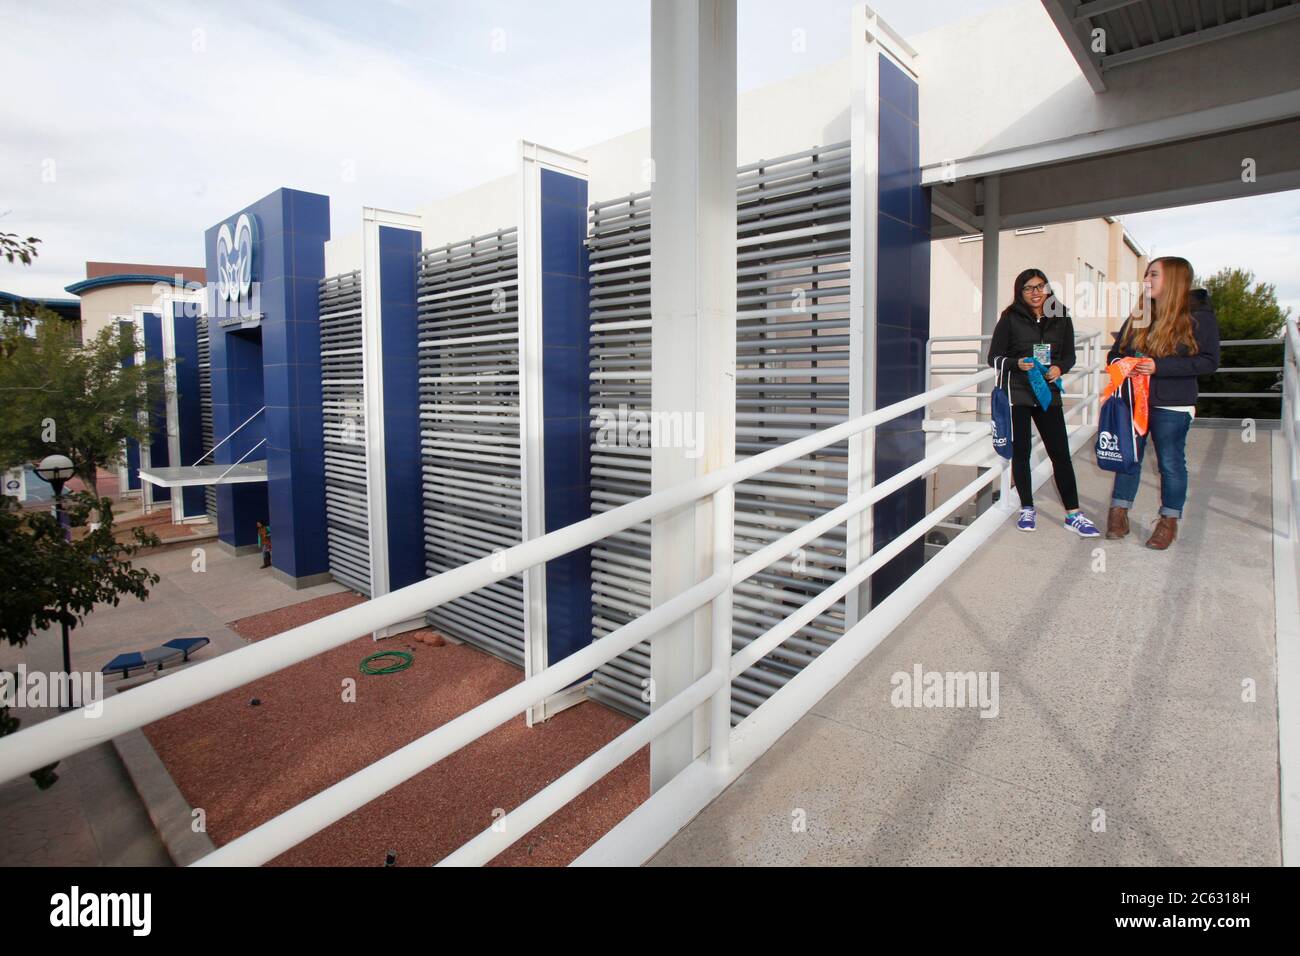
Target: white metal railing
[(1230, 370), (1086, 371), (69, 733), (230, 436)]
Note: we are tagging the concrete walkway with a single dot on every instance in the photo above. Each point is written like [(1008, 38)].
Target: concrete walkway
[(93, 816), (1121, 738)]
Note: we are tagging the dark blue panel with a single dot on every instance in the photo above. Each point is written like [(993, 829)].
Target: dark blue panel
[(127, 331), (399, 251), (897, 448), (895, 164), (897, 89), (159, 454), (565, 385), (919, 305), (903, 319), (564, 295), (279, 365), (309, 219), (276, 349), (894, 272), (306, 387), (566, 427), (558, 187)]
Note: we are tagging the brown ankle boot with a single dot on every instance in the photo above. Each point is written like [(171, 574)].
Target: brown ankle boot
[(1117, 523), (1164, 534)]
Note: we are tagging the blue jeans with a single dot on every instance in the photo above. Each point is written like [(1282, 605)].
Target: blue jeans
[(1168, 429)]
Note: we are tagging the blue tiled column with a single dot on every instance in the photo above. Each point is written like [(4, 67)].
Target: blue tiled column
[(277, 364), (565, 405), (127, 330), (902, 318), (158, 451), (399, 252), (236, 395)]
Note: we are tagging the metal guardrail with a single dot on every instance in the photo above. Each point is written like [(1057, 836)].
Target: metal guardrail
[(69, 733), (1230, 370), (1087, 370), (978, 343)]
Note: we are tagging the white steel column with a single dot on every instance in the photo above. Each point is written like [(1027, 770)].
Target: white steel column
[(372, 376), (193, 300), (693, 325), (532, 450), (864, 223), (989, 310)]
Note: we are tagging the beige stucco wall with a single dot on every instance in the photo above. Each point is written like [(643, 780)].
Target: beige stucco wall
[(100, 306)]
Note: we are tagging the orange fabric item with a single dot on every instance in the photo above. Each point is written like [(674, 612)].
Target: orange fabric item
[(1118, 371)]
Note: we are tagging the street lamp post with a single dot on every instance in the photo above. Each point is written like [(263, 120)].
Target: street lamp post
[(57, 469)]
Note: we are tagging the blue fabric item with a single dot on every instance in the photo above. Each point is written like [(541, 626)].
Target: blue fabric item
[(1001, 418), (1117, 446), (1038, 382)]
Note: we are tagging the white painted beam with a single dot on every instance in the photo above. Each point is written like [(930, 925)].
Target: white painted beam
[(1076, 40), (1198, 124)]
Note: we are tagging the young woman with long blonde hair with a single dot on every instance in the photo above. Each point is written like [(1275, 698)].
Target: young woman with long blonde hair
[(1176, 336)]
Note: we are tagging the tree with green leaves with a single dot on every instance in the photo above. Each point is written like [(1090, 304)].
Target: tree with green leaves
[(50, 580), (83, 401), (1245, 309)]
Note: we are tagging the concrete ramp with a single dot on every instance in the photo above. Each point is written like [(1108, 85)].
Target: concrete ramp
[(1136, 717)]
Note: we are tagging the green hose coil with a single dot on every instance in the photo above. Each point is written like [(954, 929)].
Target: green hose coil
[(404, 660)]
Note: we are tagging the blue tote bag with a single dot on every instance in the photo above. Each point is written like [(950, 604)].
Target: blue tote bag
[(1001, 412), (1116, 446)]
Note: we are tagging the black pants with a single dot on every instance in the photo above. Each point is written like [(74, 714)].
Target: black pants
[(1051, 428)]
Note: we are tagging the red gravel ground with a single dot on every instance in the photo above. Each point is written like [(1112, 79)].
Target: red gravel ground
[(244, 764)]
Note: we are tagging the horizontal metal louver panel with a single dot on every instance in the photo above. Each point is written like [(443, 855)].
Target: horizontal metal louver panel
[(205, 411), (792, 378), (469, 427), (343, 412)]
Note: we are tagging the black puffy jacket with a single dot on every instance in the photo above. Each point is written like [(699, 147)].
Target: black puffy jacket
[(1174, 380), (1015, 336)]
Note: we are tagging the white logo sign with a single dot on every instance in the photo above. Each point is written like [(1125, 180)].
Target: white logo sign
[(235, 259), (1108, 441)]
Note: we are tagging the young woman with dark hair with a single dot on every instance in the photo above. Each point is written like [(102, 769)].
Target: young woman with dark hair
[(1037, 325), (1175, 334)]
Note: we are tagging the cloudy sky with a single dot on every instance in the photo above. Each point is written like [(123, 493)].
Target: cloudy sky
[(126, 134)]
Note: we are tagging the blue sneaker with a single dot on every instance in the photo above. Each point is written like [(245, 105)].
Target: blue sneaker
[(1081, 526), (1027, 522)]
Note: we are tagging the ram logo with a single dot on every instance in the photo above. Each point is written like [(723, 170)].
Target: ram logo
[(1108, 441), (235, 259)]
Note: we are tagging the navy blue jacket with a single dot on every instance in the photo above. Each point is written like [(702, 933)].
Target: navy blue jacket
[(1015, 336), (1174, 381)]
